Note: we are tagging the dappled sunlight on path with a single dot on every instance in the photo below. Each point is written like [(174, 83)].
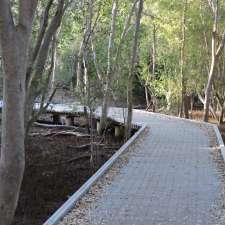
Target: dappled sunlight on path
[(171, 178)]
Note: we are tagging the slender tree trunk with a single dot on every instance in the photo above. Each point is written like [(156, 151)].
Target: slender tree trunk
[(129, 106), (220, 105), (186, 106), (79, 84), (154, 50), (54, 59), (221, 115), (86, 92), (208, 90), (216, 52), (210, 107), (154, 55), (192, 104), (183, 109), (37, 69), (132, 71), (168, 100), (109, 68), (147, 97)]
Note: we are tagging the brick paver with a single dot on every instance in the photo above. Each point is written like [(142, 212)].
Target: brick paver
[(172, 179)]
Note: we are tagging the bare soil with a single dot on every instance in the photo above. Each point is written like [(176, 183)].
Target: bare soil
[(197, 115), (55, 169)]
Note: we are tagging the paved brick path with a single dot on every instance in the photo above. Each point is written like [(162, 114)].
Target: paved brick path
[(171, 179)]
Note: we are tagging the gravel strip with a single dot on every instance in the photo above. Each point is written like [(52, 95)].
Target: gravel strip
[(80, 214)]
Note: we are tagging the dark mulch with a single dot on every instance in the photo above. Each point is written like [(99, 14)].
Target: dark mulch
[(54, 171)]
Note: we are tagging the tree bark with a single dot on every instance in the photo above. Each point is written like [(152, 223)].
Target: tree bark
[(208, 89), (54, 58), (221, 115), (109, 68), (147, 97), (132, 70), (216, 52), (210, 107), (220, 101), (37, 69), (154, 50), (184, 106), (14, 42)]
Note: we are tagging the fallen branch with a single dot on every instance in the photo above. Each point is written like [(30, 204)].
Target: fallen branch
[(54, 134), (72, 133), (55, 126), (62, 127)]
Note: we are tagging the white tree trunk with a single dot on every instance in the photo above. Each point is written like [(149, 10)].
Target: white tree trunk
[(216, 52), (109, 68)]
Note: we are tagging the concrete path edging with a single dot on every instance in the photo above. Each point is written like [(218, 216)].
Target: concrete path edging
[(172, 117), (220, 141), (70, 203), (215, 127)]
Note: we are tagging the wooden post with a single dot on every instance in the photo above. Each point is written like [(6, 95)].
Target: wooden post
[(119, 131), (98, 127), (56, 118)]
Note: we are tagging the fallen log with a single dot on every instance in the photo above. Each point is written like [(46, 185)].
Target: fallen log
[(62, 127), (67, 133), (45, 125), (60, 133)]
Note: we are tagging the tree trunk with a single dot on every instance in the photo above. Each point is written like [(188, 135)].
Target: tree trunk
[(109, 68), (221, 115), (54, 59), (210, 107), (183, 106), (186, 106), (192, 104), (14, 43), (168, 100), (147, 97), (12, 160), (216, 52), (132, 71), (37, 69), (154, 50), (79, 84), (208, 90), (220, 106), (129, 106)]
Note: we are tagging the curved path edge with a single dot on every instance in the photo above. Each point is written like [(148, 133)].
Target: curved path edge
[(219, 138), (219, 141), (70, 203)]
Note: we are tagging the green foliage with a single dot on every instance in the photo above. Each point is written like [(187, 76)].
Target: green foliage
[(166, 17)]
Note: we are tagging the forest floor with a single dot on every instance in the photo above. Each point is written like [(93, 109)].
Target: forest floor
[(197, 115), (55, 168)]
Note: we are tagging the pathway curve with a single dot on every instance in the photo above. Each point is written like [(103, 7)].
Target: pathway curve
[(172, 179)]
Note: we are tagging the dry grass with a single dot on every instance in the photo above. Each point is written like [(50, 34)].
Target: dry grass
[(197, 115)]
